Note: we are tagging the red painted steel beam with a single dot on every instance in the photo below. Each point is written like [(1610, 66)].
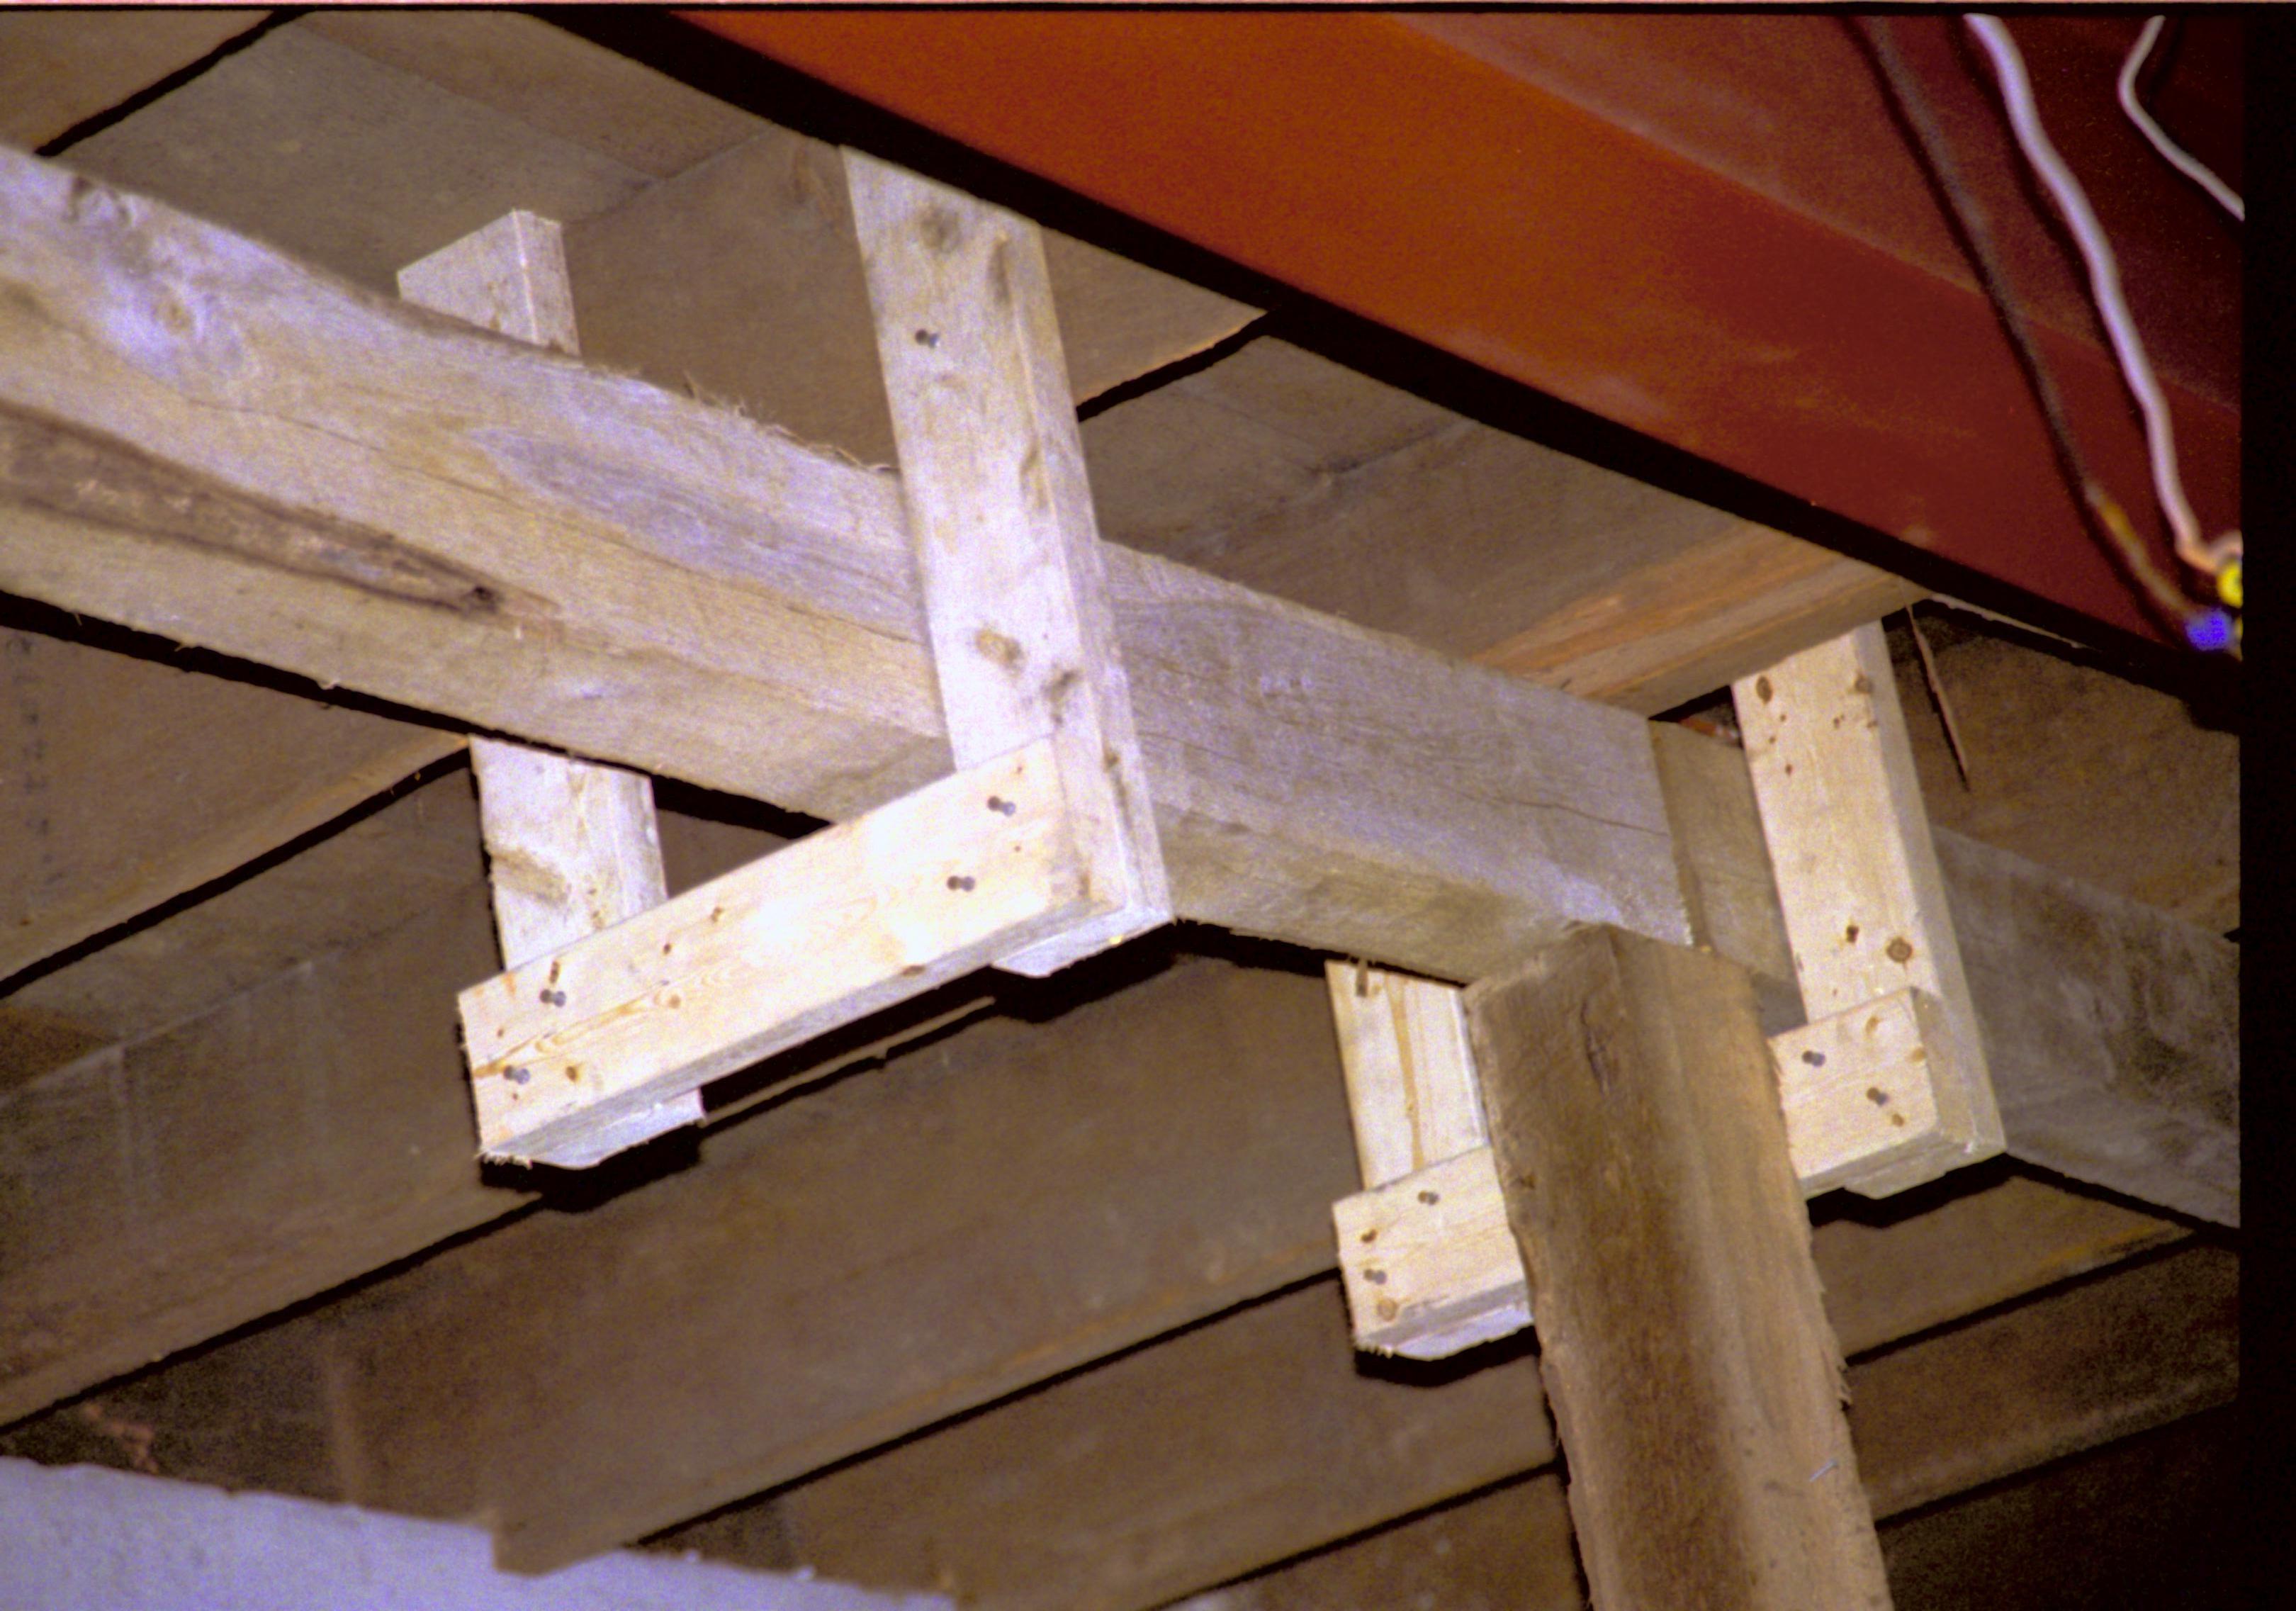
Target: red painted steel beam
[(1717, 238)]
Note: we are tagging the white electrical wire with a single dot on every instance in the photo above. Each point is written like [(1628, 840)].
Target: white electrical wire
[(2105, 285), (2177, 157)]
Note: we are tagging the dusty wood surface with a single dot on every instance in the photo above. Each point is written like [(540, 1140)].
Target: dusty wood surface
[(1053, 1193), (1309, 777), (2137, 1091), (390, 121), (1287, 473), (59, 68), (166, 1189), (128, 781), (675, 285), (523, 68), (1009, 570), (1695, 1380), (366, 1149)]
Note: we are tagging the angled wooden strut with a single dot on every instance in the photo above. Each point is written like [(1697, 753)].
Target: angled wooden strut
[(1039, 849), (571, 846), (1887, 1085)]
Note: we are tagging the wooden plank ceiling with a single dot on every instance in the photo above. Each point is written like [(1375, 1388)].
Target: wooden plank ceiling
[(216, 876)]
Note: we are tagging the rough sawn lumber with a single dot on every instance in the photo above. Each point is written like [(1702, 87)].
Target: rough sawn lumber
[(201, 438)]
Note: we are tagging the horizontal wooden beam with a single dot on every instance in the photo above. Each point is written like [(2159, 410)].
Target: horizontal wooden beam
[(1259, 1437), (656, 295), (715, 603), (2083, 1368)]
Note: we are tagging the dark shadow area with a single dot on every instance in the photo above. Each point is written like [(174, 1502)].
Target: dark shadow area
[(95, 123)]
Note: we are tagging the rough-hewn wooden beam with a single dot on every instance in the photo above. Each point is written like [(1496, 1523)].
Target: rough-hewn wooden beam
[(584, 561), (660, 279), (1695, 1380)]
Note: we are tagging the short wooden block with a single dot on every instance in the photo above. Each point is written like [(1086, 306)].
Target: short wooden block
[(1428, 1262), (1863, 1092), (845, 922)]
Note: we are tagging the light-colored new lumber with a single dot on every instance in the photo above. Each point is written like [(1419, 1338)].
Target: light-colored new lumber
[(571, 846), (403, 504), (1866, 913), (1430, 1267), (1695, 1382), (1009, 564), (842, 922), (1410, 1074), (1425, 1255)]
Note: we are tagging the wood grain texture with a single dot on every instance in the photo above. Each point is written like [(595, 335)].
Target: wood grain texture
[(572, 847), (1009, 564), (164, 1190), (1695, 1382), (1411, 1076), (2071, 1371), (60, 68), (362, 1151), (1430, 1267), (1258, 1437), (128, 781), (717, 603), (1288, 472), (2133, 1087), (893, 1249), (1867, 916), (576, 1053), (548, 79), (344, 160)]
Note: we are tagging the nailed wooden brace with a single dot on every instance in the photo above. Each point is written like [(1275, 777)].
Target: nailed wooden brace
[(572, 846), (1425, 1255), (1000, 516), (1040, 850), (1887, 1085)]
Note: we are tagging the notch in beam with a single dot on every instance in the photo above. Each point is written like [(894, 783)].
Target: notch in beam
[(1001, 518)]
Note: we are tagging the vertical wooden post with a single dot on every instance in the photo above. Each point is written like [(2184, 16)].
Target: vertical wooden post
[(1000, 515), (1695, 1382), (571, 846)]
